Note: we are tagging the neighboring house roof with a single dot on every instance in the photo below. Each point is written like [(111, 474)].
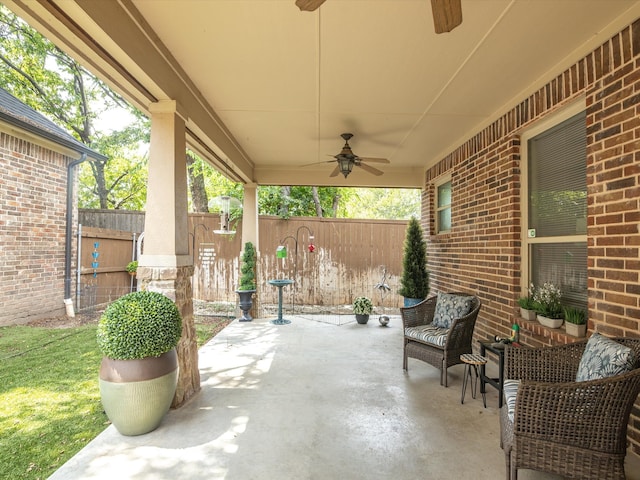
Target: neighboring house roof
[(16, 113)]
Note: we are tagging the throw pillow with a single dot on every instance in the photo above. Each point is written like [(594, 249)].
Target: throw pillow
[(603, 358), (449, 308)]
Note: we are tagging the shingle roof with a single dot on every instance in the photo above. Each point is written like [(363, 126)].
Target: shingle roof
[(15, 112)]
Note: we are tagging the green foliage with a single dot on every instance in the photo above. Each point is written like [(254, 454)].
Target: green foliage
[(132, 266), (575, 315), (380, 203), (526, 302), (297, 201), (139, 325), (248, 268), (362, 306), (414, 282), (42, 76)]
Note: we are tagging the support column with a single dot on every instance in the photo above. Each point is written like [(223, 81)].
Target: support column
[(251, 234), (165, 264)]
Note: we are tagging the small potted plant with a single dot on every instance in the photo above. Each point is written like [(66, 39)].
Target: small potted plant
[(576, 321), (132, 267), (137, 334), (547, 305), (527, 305), (362, 307), (247, 286)]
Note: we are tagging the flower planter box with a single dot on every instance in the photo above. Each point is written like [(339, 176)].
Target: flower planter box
[(576, 330), (527, 314), (550, 322)]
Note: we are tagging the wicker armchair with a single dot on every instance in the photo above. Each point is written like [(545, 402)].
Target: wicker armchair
[(560, 426), (458, 339)]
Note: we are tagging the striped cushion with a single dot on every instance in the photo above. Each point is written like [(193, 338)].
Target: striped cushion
[(428, 333), (510, 388)]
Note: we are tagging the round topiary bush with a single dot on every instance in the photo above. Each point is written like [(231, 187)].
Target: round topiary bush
[(139, 325)]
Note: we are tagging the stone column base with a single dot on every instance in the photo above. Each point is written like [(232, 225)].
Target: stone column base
[(175, 283)]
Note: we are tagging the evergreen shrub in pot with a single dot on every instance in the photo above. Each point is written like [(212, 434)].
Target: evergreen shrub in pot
[(137, 334), (414, 282), (247, 286)]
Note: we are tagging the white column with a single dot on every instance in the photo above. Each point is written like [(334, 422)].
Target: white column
[(250, 215), (166, 223)]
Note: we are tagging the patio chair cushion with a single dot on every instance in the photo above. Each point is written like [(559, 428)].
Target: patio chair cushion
[(510, 389), (604, 358), (428, 333), (450, 307)]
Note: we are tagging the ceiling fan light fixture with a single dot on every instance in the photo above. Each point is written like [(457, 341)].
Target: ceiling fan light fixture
[(346, 165)]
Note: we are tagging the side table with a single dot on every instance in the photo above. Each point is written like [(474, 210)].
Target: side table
[(498, 350), (472, 360)]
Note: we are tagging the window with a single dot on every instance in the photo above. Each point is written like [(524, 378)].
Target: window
[(556, 199), (443, 206)]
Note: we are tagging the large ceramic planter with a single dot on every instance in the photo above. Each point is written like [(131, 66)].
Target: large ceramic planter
[(362, 319), (410, 302), (575, 329), (137, 394), (527, 314), (550, 322), (246, 302)]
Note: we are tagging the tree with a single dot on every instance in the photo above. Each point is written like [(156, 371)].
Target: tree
[(298, 201), (414, 282), (195, 175), (45, 78)]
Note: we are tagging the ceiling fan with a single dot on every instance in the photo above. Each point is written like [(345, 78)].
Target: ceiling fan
[(347, 160), (447, 14)]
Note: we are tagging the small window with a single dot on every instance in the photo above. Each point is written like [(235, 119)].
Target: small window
[(443, 206)]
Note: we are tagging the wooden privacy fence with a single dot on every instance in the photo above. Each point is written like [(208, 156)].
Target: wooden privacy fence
[(349, 259)]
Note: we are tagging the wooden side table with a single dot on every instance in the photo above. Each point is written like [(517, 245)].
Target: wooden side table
[(472, 360)]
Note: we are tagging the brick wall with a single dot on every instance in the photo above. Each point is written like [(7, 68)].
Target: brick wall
[(482, 253), (32, 230)]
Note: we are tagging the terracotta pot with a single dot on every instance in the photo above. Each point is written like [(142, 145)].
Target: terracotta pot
[(136, 394)]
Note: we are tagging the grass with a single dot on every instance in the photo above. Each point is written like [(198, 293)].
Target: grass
[(49, 398)]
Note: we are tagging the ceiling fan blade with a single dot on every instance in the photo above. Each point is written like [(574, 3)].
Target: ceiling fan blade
[(309, 5), (369, 168), (373, 160), (447, 14), (335, 172), (317, 163)]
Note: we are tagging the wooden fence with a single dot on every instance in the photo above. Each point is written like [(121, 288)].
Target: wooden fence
[(349, 259)]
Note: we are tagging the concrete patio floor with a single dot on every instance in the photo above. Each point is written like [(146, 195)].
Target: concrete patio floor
[(312, 400)]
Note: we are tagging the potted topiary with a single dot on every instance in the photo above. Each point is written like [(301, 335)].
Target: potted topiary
[(132, 267), (137, 334), (414, 283), (576, 321), (547, 305), (362, 307), (247, 286)]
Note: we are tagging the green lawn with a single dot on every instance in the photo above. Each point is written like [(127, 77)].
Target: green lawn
[(49, 398)]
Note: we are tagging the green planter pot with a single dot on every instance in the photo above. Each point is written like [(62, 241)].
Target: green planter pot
[(137, 394)]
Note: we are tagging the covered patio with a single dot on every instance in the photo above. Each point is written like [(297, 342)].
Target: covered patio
[(311, 400)]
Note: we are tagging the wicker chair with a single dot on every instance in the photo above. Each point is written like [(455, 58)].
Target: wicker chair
[(560, 426), (458, 340)]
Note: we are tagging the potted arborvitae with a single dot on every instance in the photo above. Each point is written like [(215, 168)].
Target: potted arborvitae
[(247, 284), (362, 308), (575, 321), (137, 334), (414, 283)]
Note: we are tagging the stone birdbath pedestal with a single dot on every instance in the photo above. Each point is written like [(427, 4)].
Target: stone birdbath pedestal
[(281, 282)]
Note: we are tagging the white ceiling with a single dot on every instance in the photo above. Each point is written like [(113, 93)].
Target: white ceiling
[(276, 86)]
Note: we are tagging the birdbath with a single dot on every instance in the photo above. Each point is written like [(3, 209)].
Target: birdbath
[(281, 282)]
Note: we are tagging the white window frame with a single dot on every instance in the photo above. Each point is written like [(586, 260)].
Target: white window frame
[(540, 127), (437, 184)]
